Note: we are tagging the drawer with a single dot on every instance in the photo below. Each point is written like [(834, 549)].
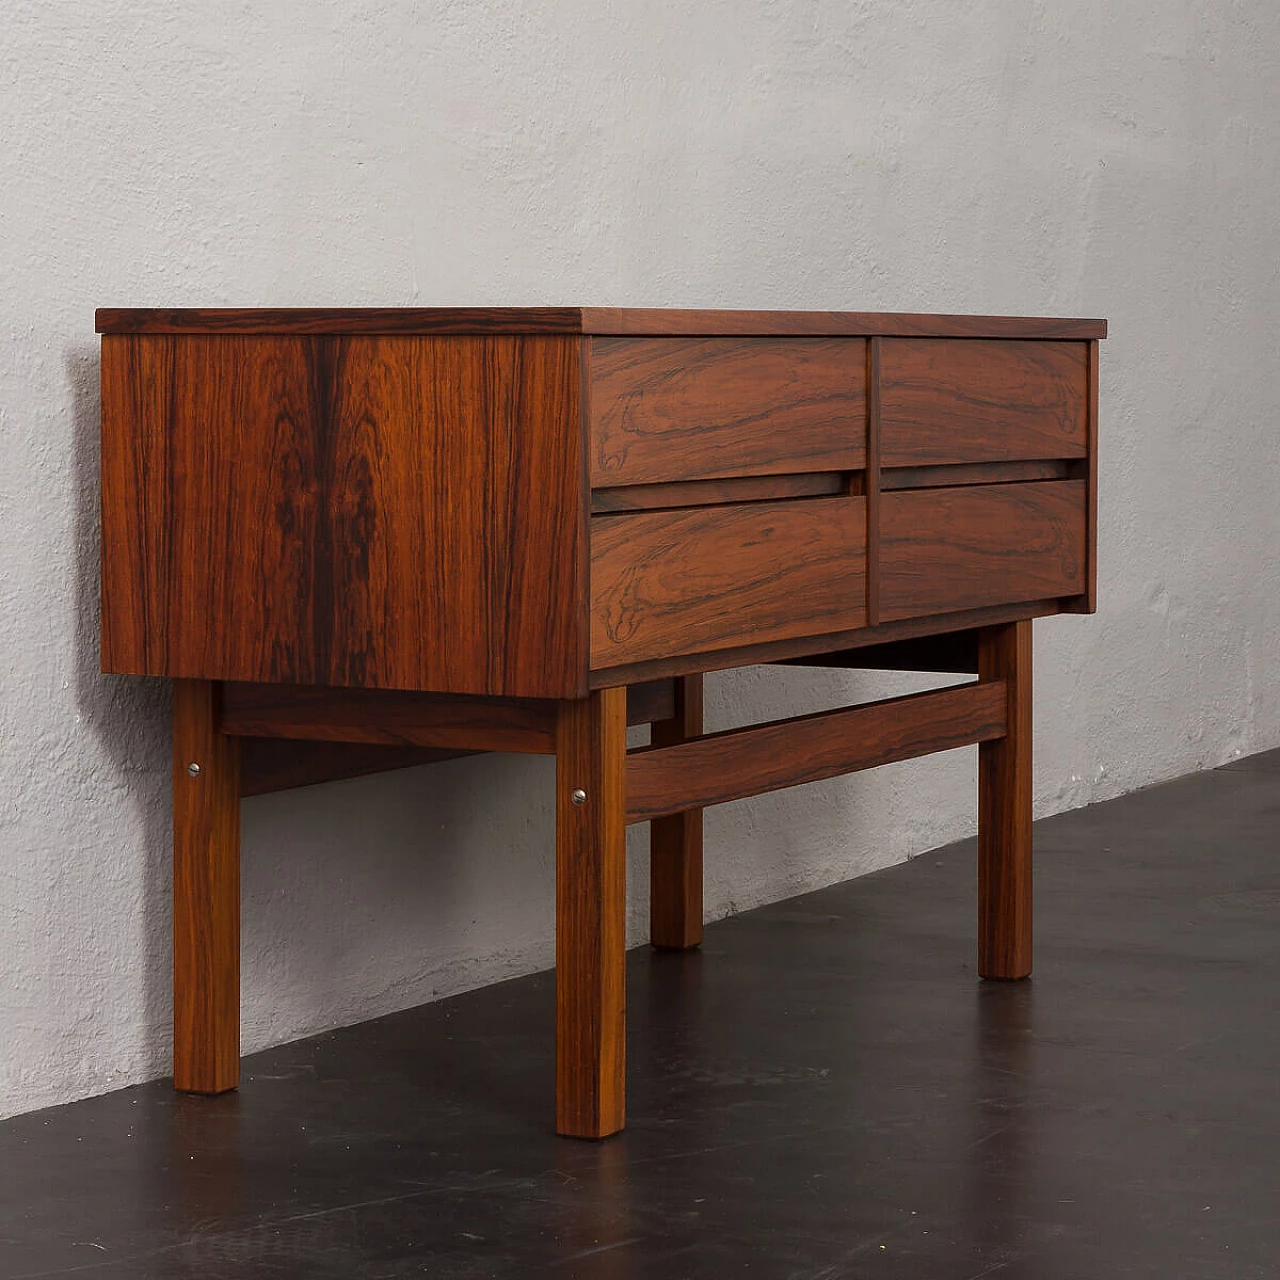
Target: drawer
[(976, 400), (946, 549), (663, 409), (665, 583)]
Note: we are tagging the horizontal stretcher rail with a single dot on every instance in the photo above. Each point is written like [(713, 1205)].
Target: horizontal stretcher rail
[(784, 753), (390, 719)]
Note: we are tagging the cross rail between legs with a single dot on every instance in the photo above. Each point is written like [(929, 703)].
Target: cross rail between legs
[(234, 739)]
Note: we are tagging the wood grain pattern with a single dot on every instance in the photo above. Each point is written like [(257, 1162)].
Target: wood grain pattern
[(591, 901), (136, 501), (675, 841), (959, 401), (394, 512), (785, 753), (671, 582), (944, 549), (663, 409), (827, 642), (574, 320), (1004, 810), (389, 717), (283, 764), (711, 493), (206, 895)]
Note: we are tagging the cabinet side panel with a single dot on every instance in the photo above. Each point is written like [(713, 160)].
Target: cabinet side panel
[(247, 585), (455, 515), (380, 512), (208, 497), (136, 375)]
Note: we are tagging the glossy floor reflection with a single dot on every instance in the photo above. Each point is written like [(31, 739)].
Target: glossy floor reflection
[(824, 1091)]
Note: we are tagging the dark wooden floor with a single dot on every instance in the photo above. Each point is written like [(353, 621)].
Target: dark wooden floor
[(825, 1091)]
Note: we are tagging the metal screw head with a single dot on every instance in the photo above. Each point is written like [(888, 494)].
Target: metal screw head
[(193, 769), (579, 796)]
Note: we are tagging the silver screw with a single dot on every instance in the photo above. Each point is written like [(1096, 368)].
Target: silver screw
[(579, 796), (193, 769)]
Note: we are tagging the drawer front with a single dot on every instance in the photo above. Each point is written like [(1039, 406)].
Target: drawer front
[(947, 549), (665, 583), (663, 409), (975, 400)]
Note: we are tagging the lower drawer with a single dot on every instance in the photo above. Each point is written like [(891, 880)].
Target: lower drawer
[(665, 583), (963, 548)]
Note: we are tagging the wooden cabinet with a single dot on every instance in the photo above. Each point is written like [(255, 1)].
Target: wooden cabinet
[(429, 532), (407, 510)]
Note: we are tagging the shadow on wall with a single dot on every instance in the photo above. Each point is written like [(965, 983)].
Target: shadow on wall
[(129, 717)]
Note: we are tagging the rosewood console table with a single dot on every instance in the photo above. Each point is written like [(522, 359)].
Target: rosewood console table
[(358, 540)]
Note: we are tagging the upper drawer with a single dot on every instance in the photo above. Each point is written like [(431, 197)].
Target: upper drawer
[(692, 408), (978, 400)]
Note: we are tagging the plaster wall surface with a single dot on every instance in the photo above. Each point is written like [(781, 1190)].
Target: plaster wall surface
[(1079, 157)]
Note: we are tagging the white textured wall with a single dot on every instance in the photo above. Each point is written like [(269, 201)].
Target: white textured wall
[(1074, 157)]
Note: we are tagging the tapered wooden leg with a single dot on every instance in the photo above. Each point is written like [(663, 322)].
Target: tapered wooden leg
[(1004, 811), (206, 894), (591, 926), (675, 842)]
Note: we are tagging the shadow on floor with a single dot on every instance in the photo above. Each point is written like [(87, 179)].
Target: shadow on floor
[(825, 1091)]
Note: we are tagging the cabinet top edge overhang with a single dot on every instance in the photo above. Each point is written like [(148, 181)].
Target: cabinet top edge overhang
[(598, 321)]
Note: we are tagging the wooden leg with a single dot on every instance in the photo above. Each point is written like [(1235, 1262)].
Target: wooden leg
[(675, 842), (1004, 811), (591, 906), (206, 894)]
